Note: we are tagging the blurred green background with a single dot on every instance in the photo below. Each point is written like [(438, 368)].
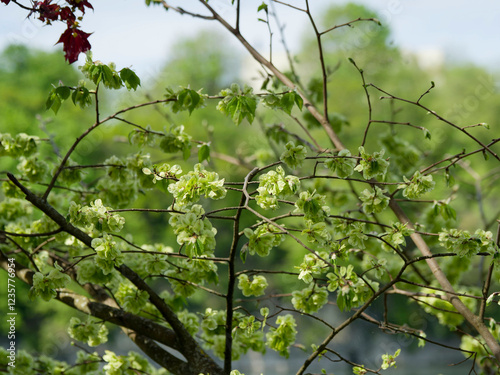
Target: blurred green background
[(465, 93)]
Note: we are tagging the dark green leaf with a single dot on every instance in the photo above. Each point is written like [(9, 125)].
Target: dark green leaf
[(204, 153), (63, 92), (81, 96), (287, 102), (427, 133), (130, 79), (299, 101), (54, 102), (264, 84)]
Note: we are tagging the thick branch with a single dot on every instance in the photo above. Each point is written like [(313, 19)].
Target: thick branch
[(159, 355), (199, 361), (102, 311)]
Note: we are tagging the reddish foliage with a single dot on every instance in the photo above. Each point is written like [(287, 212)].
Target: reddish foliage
[(67, 15), (74, 42), (80, 4), (48, 12)]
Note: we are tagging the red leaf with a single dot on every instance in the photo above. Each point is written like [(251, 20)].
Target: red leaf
[(74, 42), (48, 11), (80, 4), (6, 2), (67, 15)]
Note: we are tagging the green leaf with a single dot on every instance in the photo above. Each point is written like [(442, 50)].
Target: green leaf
[(427, 133), (287, 101), (130, 79), (293, 156), (244, 252), (185, 99), (263, 7), (238, 104), (264, 84), (56, 97), (53, 102), (204, 153), (299, 101), (81, 96), (63, 92)]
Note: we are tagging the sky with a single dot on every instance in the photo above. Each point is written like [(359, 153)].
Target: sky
[(131, 34)]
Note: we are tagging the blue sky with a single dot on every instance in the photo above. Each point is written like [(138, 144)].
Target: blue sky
[(130, 34)]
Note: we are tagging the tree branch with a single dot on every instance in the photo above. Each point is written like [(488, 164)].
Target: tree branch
[(283, 78)]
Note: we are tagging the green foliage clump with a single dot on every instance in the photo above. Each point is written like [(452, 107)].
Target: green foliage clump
[(342, 163), (417, 185), (191, 186), (185, 99), (92, 332), (263, 239), (374, 201), (194, 231), (282, 337), (255, 287), (45, 286), (125, 365), (310, 299), (284, 102), (313, 206), (312, 265), (317, 232), (372, 165), (274, 185), (247, 335), (352, 290), (396, 237), (294, 155), (176, 140), (339, 235), (131, 299), (238, 104), (20, 145), (436, 304), (108, 253), (465, 244), (98, 72), (96, 216)]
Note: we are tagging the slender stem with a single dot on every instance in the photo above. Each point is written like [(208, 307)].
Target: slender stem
[(232, 273), (321, 60), (289, 5), (350, 24), (281, 29), (368, 101), (87, 132), (487, 282), (318, 147), (238, 14), (439, 117), (282, 77)]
